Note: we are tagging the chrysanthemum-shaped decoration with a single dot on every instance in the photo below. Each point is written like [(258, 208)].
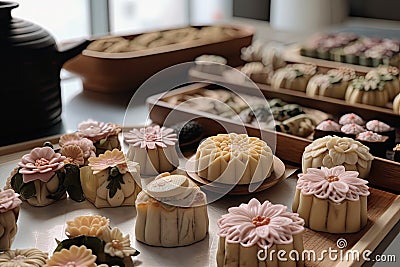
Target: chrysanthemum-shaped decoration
[(23, 258), (259, 224), (109, 159), (331, 151), (72, 257), (88, 225), (86, 145), (8, 200), (117, 245), (151, 136), (345, 74), (335, 184), (73, 154), (95, 130), (40, 164)]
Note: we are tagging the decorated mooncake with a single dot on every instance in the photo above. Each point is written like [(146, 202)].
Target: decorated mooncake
[(294, 77), (367, 91), (332, 200), (9, 212)]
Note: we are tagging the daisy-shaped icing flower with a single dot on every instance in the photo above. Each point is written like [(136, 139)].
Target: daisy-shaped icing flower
[(40, 164), (117, 245), (109, 159), (260, 224), (95, 130), (335, 184), (89, 225), (151, 136), (72, 257), (23, 257)]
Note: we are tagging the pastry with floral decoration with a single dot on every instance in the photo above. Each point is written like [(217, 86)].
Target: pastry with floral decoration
[(257, 72), (377, 143), (327, 127), (250, 228), (332, 84), (351, 118), (331, 151), (369, 92), (382, 128), (293, 76), (74, 256), (390, 75), (9, 212), (88, 225), (234, 159), (351, 130), (31, 257), (396, 104), (171, 212), (302, 125), (110, 180), (212, 64), (331, 200), (154, 148), (103, 135), (76, 149)]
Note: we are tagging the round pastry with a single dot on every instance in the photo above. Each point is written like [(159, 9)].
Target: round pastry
[(9, 212), (377, 143), (396, 150), (212, 64), (23, 258), (74, 256), (351, 118), (234, 159), (332, 200), (330, 151), (189, 133), (259, 116), (332, 84), (257, 72), (369, 92), (294, 77), (110, 180), (252, 228), (390, 75), (396, 104), (301, 125), (327, 127), (171, 212), (253, 52), (154, 148), (383, 129), (351, 130)]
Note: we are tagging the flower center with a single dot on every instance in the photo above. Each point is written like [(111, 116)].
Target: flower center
[(19, 258), (261, 220), (41, 162), (71, 264), (93, 129), (116, 244), (332, 178)]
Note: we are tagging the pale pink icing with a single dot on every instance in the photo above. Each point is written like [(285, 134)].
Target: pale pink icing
[(328, 125), (40, 164), (259, 224), (377, 126), (350, 118), (151, 137), (370, 136), (88, 149), (335, 184), (95, 130), (352, 128), (8, 200)]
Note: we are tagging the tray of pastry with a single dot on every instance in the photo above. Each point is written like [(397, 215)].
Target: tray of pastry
[(289, 147), (40, 227), (121, 63)]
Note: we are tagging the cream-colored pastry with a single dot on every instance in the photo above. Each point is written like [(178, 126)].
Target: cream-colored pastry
[(301, 125), (171, 212), (88, 225), (330, 151), (154, 148), (332, 200), (213, 64), (234, 159), (110, 180), (41, 170), (9, 212), (248, 231), (369, 92), (396, 104), (76, 148), (294, 77), (31, 257), (256, 71), (332, 84), (388, 74), (74, 256)]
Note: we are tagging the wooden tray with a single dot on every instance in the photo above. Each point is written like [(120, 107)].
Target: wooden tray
[(384, 173), (124, 72)]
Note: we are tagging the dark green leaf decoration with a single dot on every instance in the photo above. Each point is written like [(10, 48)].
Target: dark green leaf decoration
[(115, 180), (91, 242), (61, 188), (17, 181), (72, 182), (27, 190)]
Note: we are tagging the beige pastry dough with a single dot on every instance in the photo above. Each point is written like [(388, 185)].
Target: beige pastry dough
[(396, 104)]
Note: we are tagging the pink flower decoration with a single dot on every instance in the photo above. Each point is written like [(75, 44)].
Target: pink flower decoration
[(151, 137), (335, 183), (8, 200), (41, 164), (96, 131), (262, 224), (86, 145), (107, 160)]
